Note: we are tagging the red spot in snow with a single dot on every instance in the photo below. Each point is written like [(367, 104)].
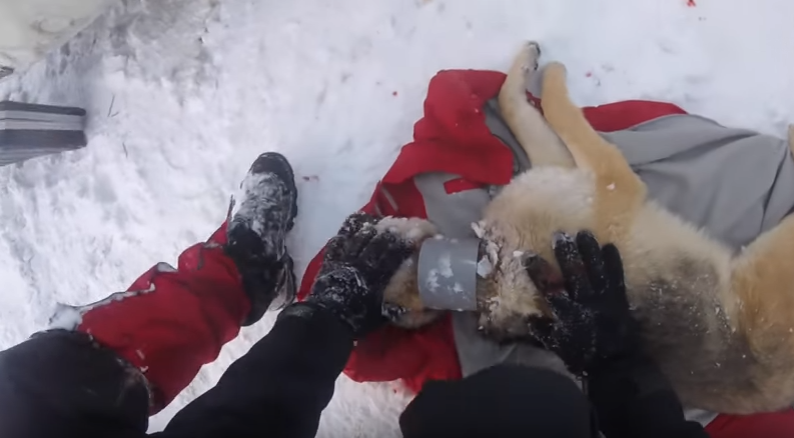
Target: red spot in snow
[(691, 3), (394, 93), (588, 74)]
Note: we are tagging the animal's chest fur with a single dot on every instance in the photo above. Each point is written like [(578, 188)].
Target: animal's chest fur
[(675, 274), (540, 202)]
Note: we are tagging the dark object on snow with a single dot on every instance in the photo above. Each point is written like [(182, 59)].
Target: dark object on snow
[(261, 216), (63, 384), (506, 401), (509, 401), (28, 130), (5, 71)]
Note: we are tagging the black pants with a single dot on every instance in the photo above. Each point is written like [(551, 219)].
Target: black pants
[(500, 402)]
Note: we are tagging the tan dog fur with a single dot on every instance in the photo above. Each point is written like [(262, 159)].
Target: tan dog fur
[(720, 325)]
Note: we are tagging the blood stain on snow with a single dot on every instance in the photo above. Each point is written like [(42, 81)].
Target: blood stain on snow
[(590, 75), (394, 93), (691, 3)]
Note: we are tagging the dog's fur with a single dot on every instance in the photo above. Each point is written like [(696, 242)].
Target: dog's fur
[(720, 325)]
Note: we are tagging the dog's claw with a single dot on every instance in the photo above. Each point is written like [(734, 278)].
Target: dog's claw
[(533, 52)]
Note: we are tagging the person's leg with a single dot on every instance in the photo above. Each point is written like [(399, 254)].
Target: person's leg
[(503, 401), (171, 321), (107, 365), (103, 367)]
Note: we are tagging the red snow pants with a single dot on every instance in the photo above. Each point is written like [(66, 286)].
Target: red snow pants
[(180, 323)]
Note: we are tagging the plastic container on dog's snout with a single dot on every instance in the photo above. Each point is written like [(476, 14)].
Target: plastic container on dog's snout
[(447, 273)]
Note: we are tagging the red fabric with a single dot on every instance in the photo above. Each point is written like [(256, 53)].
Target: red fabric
[(180, 324), (452, 136), (773, 425), (460, 185)]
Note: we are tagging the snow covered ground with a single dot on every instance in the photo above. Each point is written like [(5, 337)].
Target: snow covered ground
[(184, 94)]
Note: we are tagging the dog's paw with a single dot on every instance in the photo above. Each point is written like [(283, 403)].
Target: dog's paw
[(530, 57), (412, 229), (402, 303), (556, 69)]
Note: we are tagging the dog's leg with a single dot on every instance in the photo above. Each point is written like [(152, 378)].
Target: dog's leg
[(760, 303), (763, 282), (619, 193), (762, 299), (541, 144)]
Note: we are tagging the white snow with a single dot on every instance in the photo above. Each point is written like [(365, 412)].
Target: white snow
[(68, 317), (65, 317), (53, 22), (184, 94), (431, 283), (445, 265), (484, 267), (257, 191), (478, 228)]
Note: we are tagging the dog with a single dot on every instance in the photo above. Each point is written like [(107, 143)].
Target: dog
[(719, 324)]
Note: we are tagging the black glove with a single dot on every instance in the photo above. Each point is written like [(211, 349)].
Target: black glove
[(358, 264), (592, 324)]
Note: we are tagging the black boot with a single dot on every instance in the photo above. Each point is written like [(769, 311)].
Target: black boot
[(261, 215)]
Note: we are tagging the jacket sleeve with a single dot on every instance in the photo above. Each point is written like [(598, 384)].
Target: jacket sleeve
[(633, 399), (279, 388), (61, 383)]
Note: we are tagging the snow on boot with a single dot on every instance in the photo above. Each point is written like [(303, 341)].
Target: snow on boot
[(260, 216)]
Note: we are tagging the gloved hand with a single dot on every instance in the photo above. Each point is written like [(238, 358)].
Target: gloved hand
[(592, 324), (358, 264)]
